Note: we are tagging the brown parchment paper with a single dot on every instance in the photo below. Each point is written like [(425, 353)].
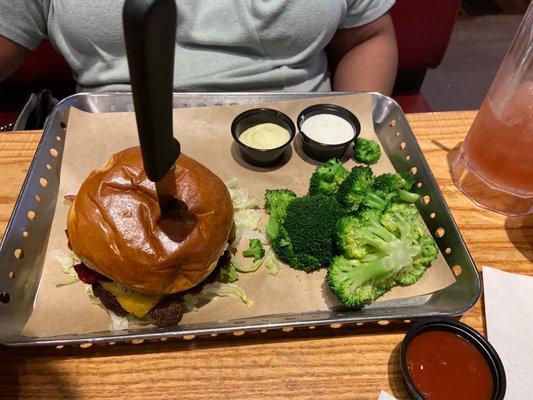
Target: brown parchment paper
[(204, 134)]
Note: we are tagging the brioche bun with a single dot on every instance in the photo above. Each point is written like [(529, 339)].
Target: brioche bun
[(115, 225)]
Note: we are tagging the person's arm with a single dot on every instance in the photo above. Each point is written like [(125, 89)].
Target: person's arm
[(364, 58), (12, 56)]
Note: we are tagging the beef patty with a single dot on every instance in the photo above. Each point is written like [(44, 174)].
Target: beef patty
[(169, 310)]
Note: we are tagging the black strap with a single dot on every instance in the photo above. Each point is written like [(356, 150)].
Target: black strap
[(35, 111)]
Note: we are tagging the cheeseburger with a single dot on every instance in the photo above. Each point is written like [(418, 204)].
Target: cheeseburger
[(138, 259)]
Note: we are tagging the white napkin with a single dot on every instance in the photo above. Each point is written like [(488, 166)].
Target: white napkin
[(509, 316), (385, 396)]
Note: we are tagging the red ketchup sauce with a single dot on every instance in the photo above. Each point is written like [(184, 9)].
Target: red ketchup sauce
[(445, 366)]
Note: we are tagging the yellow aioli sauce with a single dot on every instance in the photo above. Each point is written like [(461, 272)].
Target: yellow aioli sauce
[(265, 136)]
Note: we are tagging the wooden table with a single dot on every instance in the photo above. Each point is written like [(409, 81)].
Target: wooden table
[(353, 362)]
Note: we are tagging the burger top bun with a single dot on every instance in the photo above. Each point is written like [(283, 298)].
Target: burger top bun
[(115, 225)]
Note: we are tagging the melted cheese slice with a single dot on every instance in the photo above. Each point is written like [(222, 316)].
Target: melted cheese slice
[(136, 303)]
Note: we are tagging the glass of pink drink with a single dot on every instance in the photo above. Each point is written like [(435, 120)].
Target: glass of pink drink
[(494, 167)]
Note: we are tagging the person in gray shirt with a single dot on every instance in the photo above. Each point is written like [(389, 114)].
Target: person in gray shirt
[(221, 45)]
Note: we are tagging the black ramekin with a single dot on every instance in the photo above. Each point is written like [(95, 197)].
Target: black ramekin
[(256, 116), (468, 333), (322, 151)]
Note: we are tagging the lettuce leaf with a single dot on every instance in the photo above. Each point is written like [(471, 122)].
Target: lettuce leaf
[(255, 235), (246, 221), (212, 290), (118, 323), (67, 260), (269, 260), (247, 268), (229, 274), (240, 197), (272, 264)]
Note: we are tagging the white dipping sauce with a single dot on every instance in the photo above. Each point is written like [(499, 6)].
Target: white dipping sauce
[(328, 129)]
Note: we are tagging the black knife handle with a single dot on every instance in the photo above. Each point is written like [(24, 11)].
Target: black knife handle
[(150, 35)]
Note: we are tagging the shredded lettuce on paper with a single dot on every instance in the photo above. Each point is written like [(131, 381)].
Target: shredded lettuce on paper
[(95, 300), (240, 197), (118, 323), (269, 261), (254, 266), (255, 235), (272, 263), (67, 260), (246, 220), (228, 274), (246, 216), (232, 183), (212, 290), (241, 200)]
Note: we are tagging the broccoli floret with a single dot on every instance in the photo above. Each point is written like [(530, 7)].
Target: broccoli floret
[(327, 178), (383, 252), (366, 151), (355, 187), (411, 274), (429, 251), (397, 184), (378, 199), (346, 237), (276, 201), (408, 213), (367, 214), (404, 216), (408, 180), (390, 187), (283, 248), (306, 262), (355, 283), (306, 238), (255, 249)]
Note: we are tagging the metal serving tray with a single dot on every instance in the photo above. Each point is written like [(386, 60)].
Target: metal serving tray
[(28, 230)]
